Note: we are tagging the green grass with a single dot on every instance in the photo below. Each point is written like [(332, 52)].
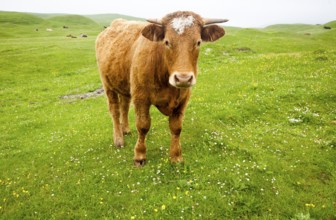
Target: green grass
[(258, 138)]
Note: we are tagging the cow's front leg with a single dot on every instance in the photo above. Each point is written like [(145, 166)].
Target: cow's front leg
[(143, 122), (175, 125)]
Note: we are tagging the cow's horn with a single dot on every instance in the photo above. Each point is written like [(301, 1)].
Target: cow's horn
[(155, 21), (213, 21)]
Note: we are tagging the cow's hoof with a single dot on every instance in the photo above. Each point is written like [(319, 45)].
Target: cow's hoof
[(119, 144), (175, 160), (127, 132), (139, 163)]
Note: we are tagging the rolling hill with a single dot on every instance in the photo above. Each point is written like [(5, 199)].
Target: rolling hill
[(94, 23), (26, 19), (71, 20), (19, 18), (54, 19), (331, 24), (45, 16), (295, 28), (17, 24), (105, 19)]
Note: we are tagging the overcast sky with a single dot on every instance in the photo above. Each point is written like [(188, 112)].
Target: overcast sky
[(243, 13)]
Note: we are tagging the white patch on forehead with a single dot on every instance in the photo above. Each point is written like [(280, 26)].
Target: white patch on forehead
[(181, 23)]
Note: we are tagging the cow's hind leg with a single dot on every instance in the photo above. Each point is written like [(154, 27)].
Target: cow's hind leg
[(113, 103), (124, 108)]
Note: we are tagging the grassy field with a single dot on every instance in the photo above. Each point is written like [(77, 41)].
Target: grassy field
[(258, 140)]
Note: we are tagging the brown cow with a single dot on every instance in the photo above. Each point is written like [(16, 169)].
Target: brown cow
[(155, 63)]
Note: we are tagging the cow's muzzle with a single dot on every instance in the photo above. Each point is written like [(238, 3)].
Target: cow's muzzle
[(182, 80)]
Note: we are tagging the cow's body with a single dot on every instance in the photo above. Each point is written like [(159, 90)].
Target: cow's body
[(155, 64)]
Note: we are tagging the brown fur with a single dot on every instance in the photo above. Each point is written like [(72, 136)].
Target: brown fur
[(139, 60)]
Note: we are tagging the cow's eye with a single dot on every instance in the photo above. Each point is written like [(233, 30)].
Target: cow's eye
[(167, 43), (198, 43)]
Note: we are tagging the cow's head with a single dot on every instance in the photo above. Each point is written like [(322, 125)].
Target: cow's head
[(181, 34)]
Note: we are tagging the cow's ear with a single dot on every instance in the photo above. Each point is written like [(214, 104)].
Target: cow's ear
[(153, 32), (212, 33)]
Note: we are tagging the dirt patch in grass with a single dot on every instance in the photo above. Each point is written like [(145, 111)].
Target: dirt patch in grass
[(97, 92)]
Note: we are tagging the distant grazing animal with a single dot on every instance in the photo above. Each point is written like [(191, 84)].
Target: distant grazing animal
[(49, 29), (155, 63), (83, 35)]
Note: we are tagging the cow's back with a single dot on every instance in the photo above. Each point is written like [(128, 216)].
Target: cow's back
[(114, 50)]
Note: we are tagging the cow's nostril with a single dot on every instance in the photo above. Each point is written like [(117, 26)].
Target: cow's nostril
[(176, 79), (183, 78)]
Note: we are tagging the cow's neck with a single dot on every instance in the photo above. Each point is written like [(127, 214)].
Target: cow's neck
[(170, 98)]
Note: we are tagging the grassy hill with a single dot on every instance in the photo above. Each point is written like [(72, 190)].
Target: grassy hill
[(258, 138), (101, 19), (15, 24), (105, 19), (19, 18), (331, 24), (47, 15), (57, 20), (296, 28), (71, 20), (91, 24)]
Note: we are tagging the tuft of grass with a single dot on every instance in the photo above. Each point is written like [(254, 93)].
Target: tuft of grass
[(258, 136)]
